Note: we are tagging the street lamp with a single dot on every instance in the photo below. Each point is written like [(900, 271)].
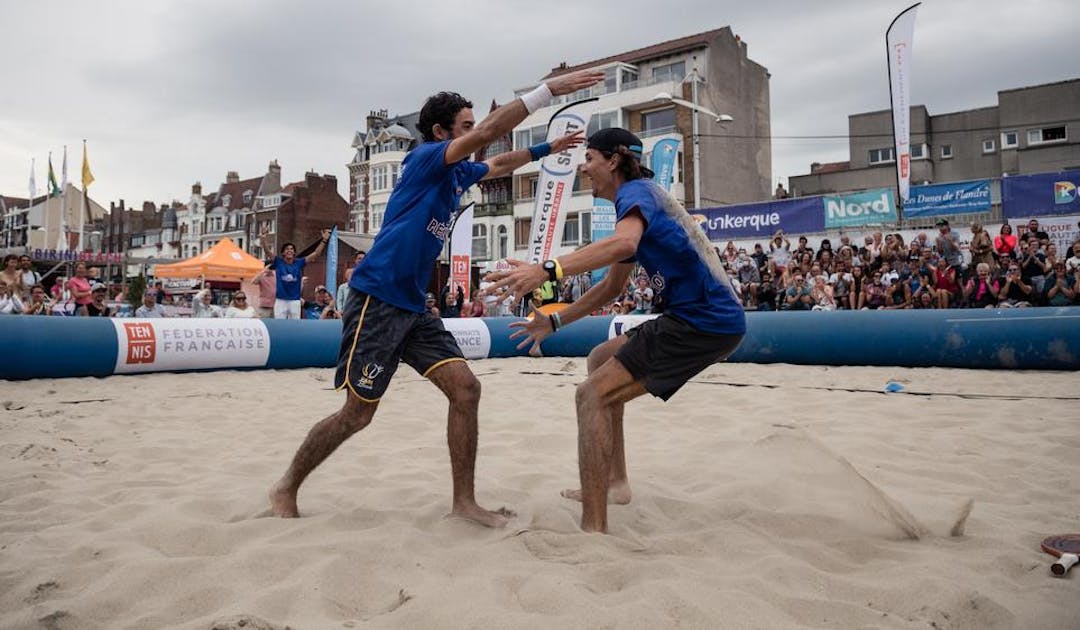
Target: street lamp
[(695, 108)]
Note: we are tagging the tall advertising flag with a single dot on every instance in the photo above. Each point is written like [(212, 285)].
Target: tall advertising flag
[(461, 251), (62, 237), (331, 263), (898, 40), (87, 179), (556, 185), (54, 188), (33, 184), (662, 162)]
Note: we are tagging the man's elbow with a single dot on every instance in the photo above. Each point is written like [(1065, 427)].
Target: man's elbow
[(625, 247)]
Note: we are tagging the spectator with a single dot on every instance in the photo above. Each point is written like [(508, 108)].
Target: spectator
[(27, 275), (202, 305), (946, 283), (79, 286), (821, 294), (1005, 245), (642, 296), (429, 304), (159, 292), (922, 283), (1072, 263), (894, 250), (780, 193), (924, 242), (97, 306), (1033, 230), (39, 303), (982, 290), (322, 307), (923, 301), (780, 251), (1032, 264), (1060, 287), (766, 300), (452, 302), (873, 293), (840, 281), (239, 307), (946, 244), (150, 307), (10, 302), (730, 253), (341, 296), (1051, 259), (1015, 292), (266, 281), (825, 249), (289, 270), (11, 275), (981, 247), (58, 289), (797, 297), (897, 296), (759, 256), (857, 290), (803, 248), (749, 278), (475, 307), (888, 274)]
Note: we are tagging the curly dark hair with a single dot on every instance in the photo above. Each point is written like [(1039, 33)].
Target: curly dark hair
[(440, 109), (629, 165)]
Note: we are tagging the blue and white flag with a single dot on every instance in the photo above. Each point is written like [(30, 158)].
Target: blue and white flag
[(331, 262), (662, 162)]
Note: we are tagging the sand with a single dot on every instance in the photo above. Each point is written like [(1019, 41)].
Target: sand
[(765, 496)]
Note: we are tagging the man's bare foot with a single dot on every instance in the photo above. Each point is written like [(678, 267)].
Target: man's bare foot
[(487, 518), (283, 501), (618, 493)]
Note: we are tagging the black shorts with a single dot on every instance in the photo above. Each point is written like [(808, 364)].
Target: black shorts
[(376, 336), (666, 352)]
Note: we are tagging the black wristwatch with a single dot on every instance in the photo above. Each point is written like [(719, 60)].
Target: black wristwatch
[(551, 269)]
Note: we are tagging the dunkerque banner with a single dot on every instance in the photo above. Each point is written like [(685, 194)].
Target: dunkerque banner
[(1041, 194), (662, 161), (799, 215), (871, 207), (954, 198)]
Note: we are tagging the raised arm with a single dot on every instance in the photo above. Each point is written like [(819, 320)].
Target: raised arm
[(508, 162), (503, 120), (319, 248)]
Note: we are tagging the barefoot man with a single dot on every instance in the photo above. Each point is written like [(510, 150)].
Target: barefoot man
[(702, 324), (385, 321)]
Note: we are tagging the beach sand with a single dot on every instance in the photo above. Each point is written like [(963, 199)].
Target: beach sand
[(765, 496)]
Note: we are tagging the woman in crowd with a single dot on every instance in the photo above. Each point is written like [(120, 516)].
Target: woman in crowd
[(11, 275), (1060, 287), (822, 295), (981, 247), (202, 307), (948, 287), (1005, 244), (239, 307), (39, 303), (1051, 254), (924, 300), (730, 253), (840, 280), (826, 259), (824, 250), (857, 294), (97, 306), (10, 304), (474, 307), (893, 249), (897, 296), (873, 293), (79, 287)]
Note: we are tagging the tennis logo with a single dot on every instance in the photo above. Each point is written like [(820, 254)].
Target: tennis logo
[(1064, 192), (368, 374), (141, 343)]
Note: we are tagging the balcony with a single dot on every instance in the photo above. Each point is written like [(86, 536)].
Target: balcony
[(502, 209)]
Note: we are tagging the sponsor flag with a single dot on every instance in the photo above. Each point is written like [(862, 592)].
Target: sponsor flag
[(556, 185), (898, 40), (331, 263), (54, 188), (461, 252), (662, 162), (87, 176), (603, 226)]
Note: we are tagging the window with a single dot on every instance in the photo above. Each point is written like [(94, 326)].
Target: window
[(670, 72), (946, 151), (571, 234), (629, 78), (919, 151), (395, 172), (609, 80), (248, 195), (495, 148), (1009, 139), (525, 138), (658, 121), (1047, 134), (360, 185), (988, 146), (479, 241), (503, 253), (527, 186), (603, 120), (882, 156), (378, 178), (377, 212), (522, 232)]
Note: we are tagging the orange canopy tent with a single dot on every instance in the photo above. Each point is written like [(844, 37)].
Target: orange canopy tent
[(223, 261)]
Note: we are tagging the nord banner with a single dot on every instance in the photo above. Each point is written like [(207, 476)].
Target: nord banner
[(955, 198), (871, 207), (796, 216), (1040, 195)]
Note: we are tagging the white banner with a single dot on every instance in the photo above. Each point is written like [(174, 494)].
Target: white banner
[(471, 334), (155, 345), (1063, 230), (898, 40), (557, 173), (461, 252)]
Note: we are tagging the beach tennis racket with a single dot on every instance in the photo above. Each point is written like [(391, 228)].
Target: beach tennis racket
[(1067, 549)]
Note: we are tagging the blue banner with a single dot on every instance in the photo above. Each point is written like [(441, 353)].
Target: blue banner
[(603, 226), (662, 161), (870, 207), (331, 262), (794, 216), (954, 198), (1041, 194)]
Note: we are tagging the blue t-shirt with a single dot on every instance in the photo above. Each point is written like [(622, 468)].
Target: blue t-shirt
[(397, 269), (289, 277), (675, 266)]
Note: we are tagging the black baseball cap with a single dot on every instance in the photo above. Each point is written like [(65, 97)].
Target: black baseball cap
[(941, 222), (610, 139)]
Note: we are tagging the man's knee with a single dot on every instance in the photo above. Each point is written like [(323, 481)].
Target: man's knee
[(466, 391)]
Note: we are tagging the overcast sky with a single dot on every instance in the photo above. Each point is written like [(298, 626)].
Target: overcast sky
[(169, 92)]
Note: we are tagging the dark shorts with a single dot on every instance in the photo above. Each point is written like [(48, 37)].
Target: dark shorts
[(666, 352), (376, 336)]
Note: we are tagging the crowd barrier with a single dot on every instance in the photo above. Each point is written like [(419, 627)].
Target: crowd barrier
[(1043, 339)]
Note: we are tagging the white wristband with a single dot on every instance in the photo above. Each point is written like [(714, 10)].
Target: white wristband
[(537, 98)]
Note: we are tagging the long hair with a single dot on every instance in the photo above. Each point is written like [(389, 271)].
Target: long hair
[(700, 242)]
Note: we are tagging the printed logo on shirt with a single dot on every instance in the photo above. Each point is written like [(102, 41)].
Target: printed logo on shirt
[(658, 281), (368, 374), (288, 278), (439, 229)]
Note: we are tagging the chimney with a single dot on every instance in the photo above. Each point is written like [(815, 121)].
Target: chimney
[(374, 118), (815, 167), (148, 206), (196, 189), (232, 177), (272, 179)]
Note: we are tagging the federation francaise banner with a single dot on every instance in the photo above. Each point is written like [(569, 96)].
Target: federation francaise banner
[(662, 162), (331, 263), (1041, 194), (556, 185), (461, 252), (871, 207), (898, 39), (955, 198), (603, 226), (759, 220)]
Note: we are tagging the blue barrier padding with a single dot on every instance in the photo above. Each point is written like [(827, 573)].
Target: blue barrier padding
[(296, 343), (54, 347)]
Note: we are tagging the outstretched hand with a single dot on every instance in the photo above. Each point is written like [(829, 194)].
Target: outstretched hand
[(568, 141), (519, 280), (533, 330), (574, 81)]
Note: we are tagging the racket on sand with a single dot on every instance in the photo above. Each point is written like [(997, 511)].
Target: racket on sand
[(1067, 549)]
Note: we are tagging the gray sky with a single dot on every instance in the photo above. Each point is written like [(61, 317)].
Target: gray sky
[(169, 92)]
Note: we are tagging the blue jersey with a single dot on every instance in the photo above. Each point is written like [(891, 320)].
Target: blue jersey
[(417, 221), (676, 267), (289, 277)]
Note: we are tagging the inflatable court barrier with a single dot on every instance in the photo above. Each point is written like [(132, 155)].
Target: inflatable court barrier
[(1037, 338)]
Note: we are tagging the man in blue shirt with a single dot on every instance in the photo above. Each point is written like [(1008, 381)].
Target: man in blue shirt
[(290, 273), (385, 321), (703, 321)]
